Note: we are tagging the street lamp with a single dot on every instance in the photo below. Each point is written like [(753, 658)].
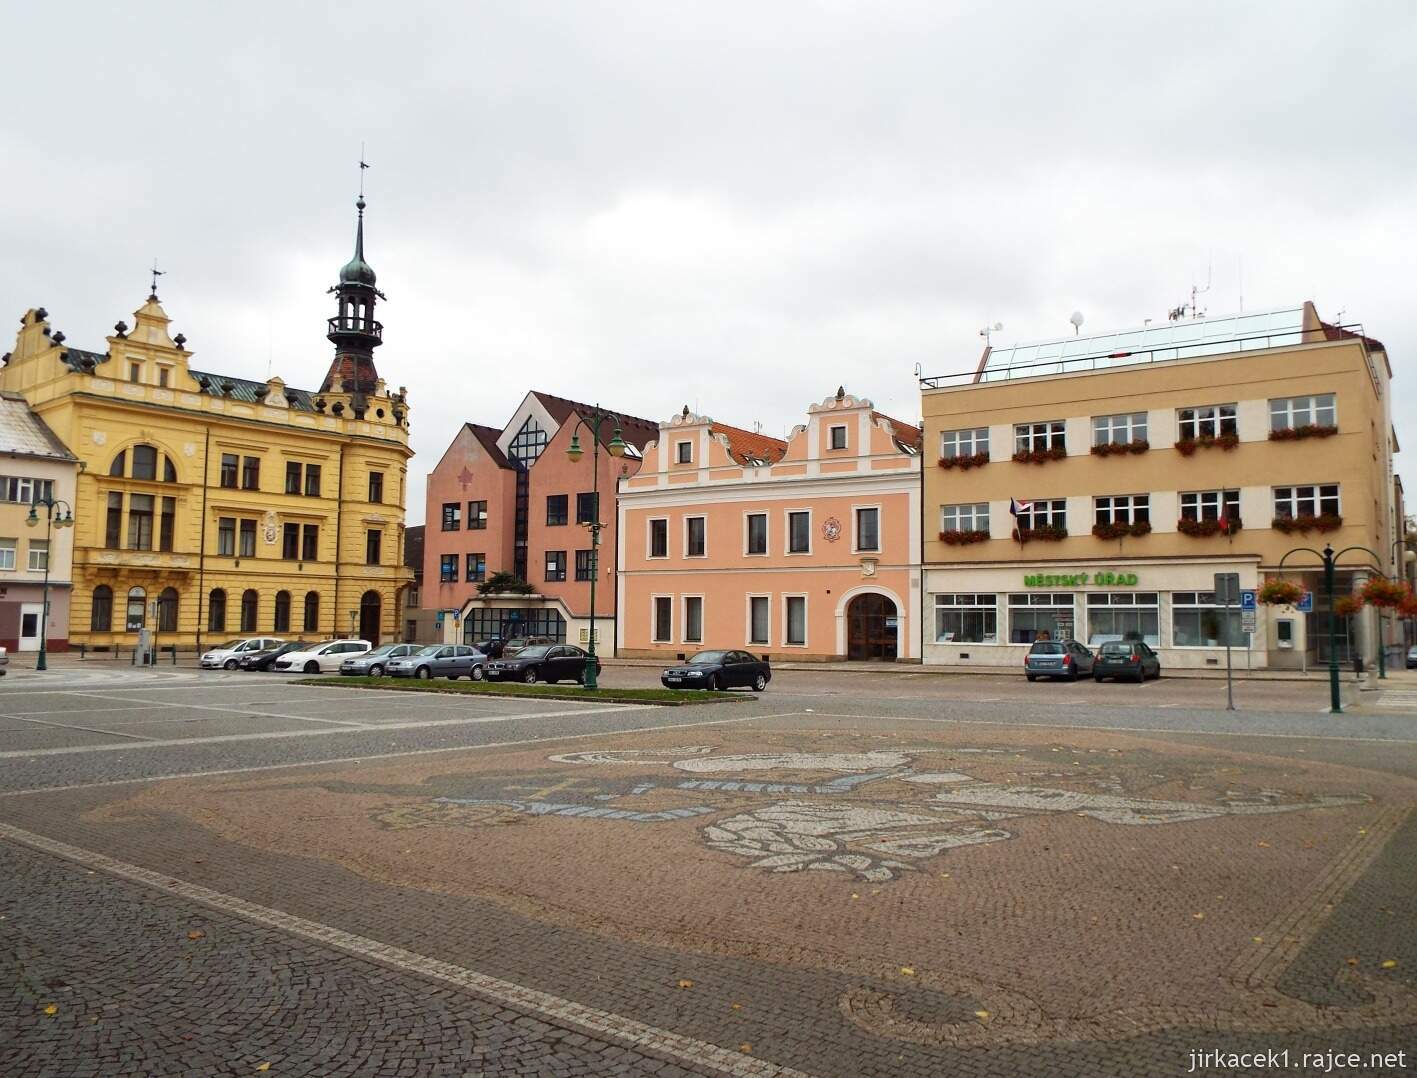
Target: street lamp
[(1330, 567), (57, 514), (616, 448)]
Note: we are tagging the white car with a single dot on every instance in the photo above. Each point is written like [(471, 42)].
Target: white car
[(321, 657), (228, 655)]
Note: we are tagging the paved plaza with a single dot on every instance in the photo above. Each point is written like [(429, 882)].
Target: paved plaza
[(878, 873)]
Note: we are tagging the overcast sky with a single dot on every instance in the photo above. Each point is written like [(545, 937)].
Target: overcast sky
[(737, 206)]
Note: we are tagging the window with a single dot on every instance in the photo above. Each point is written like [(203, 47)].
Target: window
[(587, 508), (164, 375), (695, 537), (1210, 505), (836, 437), (249, 604), (758, 614), (1307, 501), (290, 541), (281, 622), (167, 611), (663, 619), (1122, 509), (1290, 412), (228, 470), (1046, 513), (557, 509), (1039, 437), (216, 611), (292, 477), (168, 526), (1040, 616), (376, 486), (119, 465), (310, 542), (38, 555), (7, 553), (140, 521), (450, 516), (312, 611), (448, 569), (1121, 429), (799, 531), (757, 541), (969, 517), (966, 619), (135, 372), (113, 527), (527, 446), (1197, 622), (101, 612), (23, 490), (247, 546), (659, 538), (555, 565), (312, 481), (476, 516), (226, 537), (1123, 616), (683, 452), (144, 462), (964, 443), (250, 473), (373, 546), (476, 568), (585, 565), (868, 529), (693, 619), (1209, 422), (796, 620)]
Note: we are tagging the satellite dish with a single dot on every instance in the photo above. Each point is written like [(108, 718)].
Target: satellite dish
[(1076, 319)]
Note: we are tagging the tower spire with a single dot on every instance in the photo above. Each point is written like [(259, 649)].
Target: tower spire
[(353, 330)]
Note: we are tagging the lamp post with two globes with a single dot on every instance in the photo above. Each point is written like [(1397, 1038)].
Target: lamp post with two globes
[(616, 448), (57, 514)]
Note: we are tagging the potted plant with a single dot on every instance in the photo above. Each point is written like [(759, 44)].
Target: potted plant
[(1308, 430), (505, 584), (1047, 533), (1280, 593), (1379, 591), (964, 463), (963, 537), (1307, 522), (1118, 531), (1040, 456), (1201, 529), (1117, 449), (1187, 446), (1345, 606)]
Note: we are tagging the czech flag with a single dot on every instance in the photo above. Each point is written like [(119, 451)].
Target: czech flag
[(1015, 508)]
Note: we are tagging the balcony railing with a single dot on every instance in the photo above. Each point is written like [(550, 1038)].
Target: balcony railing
[(351, 324)]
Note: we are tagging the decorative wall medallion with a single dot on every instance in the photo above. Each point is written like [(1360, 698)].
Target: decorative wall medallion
[(99, 437), (868, 566), (189, 449), (268, 527), (831, 529)]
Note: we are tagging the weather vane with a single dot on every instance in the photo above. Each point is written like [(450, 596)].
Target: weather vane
[(156, 274), (362, 166)]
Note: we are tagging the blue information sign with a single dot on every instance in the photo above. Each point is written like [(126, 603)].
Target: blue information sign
[(1247, 600), (1306, 604)]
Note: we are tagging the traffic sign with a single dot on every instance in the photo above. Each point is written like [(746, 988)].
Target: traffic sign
[(1247, 599), (1306, 604), (1227, 588), (1247, 621)]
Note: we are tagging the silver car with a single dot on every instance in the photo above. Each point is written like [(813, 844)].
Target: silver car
[(451, 661), (375, 663)]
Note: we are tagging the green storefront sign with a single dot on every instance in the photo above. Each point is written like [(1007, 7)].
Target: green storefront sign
[(1080, 580)]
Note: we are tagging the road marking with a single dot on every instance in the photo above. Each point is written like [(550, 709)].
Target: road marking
[(239, 710), (67, 726), (555, 1009)]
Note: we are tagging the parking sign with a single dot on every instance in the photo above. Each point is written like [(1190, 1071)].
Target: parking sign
[(1247, 600)]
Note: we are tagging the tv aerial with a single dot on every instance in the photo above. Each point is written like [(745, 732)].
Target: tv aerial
[(990, 329)]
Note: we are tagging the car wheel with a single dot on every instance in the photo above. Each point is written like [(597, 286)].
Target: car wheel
[(1097, 678), (1031, 677), (230, 664), (713, 684), (580, 677), (529, 675), (477, 674), (423, 673), (1073, 674), (312, 667), (376, 671), (760, 683)]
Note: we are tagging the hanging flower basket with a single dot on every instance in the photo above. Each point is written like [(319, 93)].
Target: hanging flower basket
[(1298, 434), (1119, 449), (1345, 606), (1280, 593), (1324, 522), (956, 537), (1408, 607), (1118, 531), (1040, 456), (977, 460), (1201, 529), (1384, 593), (1045, 533), (1187, 446)]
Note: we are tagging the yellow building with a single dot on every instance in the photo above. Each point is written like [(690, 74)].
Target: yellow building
[(210, 506), (1141, 464)]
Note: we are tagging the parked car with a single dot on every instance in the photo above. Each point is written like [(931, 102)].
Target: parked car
[(4, 661), (451, 661), (1057, 658), (376, 663), (719, 670), (1412, 658), (318, 658), (265, 659), (1129, 659), (517, 643), (491, 647), (228, 656), (542, 662)]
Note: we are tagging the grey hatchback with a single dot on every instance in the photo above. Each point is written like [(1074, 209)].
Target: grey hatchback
[(375, 663), (451, 661), (1057, 658)]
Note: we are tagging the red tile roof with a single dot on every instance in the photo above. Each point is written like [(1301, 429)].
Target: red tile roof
[(745, 445), (634, 430), (905, 433)]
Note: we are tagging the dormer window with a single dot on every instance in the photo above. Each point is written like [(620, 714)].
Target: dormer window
[(684, 453), (164, 376), (135, 372), (837, 437)]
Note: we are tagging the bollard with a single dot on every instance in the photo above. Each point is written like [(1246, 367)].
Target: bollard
[(83, 651)]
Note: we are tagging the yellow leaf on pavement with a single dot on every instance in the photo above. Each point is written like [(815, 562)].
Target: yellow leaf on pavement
[(1198, 916), (1391, 963), (983, 1016), (51, 1009), (1257, 939), (686, 984), (908, 971), (745, 1047), (196, 934), (264, 1067)]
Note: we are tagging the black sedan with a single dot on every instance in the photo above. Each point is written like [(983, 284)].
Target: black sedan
[(542, 662), (1130, 659), (263, 660), (719, 670), (491, 647)]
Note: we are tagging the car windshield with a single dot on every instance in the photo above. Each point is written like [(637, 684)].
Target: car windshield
[(709, 658), (1116, 649), (382, 649), (1047, 647), (537, 652), (431, 649), (230, 645)]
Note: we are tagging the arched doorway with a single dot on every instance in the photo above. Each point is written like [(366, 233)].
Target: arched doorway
[(369, 612), (872, 627)]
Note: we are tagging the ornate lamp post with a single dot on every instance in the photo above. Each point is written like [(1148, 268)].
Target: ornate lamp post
[(57, 514), (1330, 566), (616, 448)]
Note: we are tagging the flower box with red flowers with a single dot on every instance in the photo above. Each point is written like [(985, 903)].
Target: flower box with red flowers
[(1040, 456), (964, 463), (1202, 529), (1047, 533), (1306, 522), (957, 537), (1188, 446), (1298, 434), (1118, 531), (1121, 449)]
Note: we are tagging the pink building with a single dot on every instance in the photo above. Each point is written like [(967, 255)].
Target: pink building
[(510, 500), (803, 549)]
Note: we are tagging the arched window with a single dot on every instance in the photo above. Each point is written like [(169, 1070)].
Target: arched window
[(137, 613), (101, 618), (120, 464), (248, 610), (312, 611), (282, 622), (144, 462), (167, 611), (216, 611), (169, 470)]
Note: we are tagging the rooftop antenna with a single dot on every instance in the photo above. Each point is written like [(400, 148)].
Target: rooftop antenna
[(1175, 314), (988, 330), (1076, 319)]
